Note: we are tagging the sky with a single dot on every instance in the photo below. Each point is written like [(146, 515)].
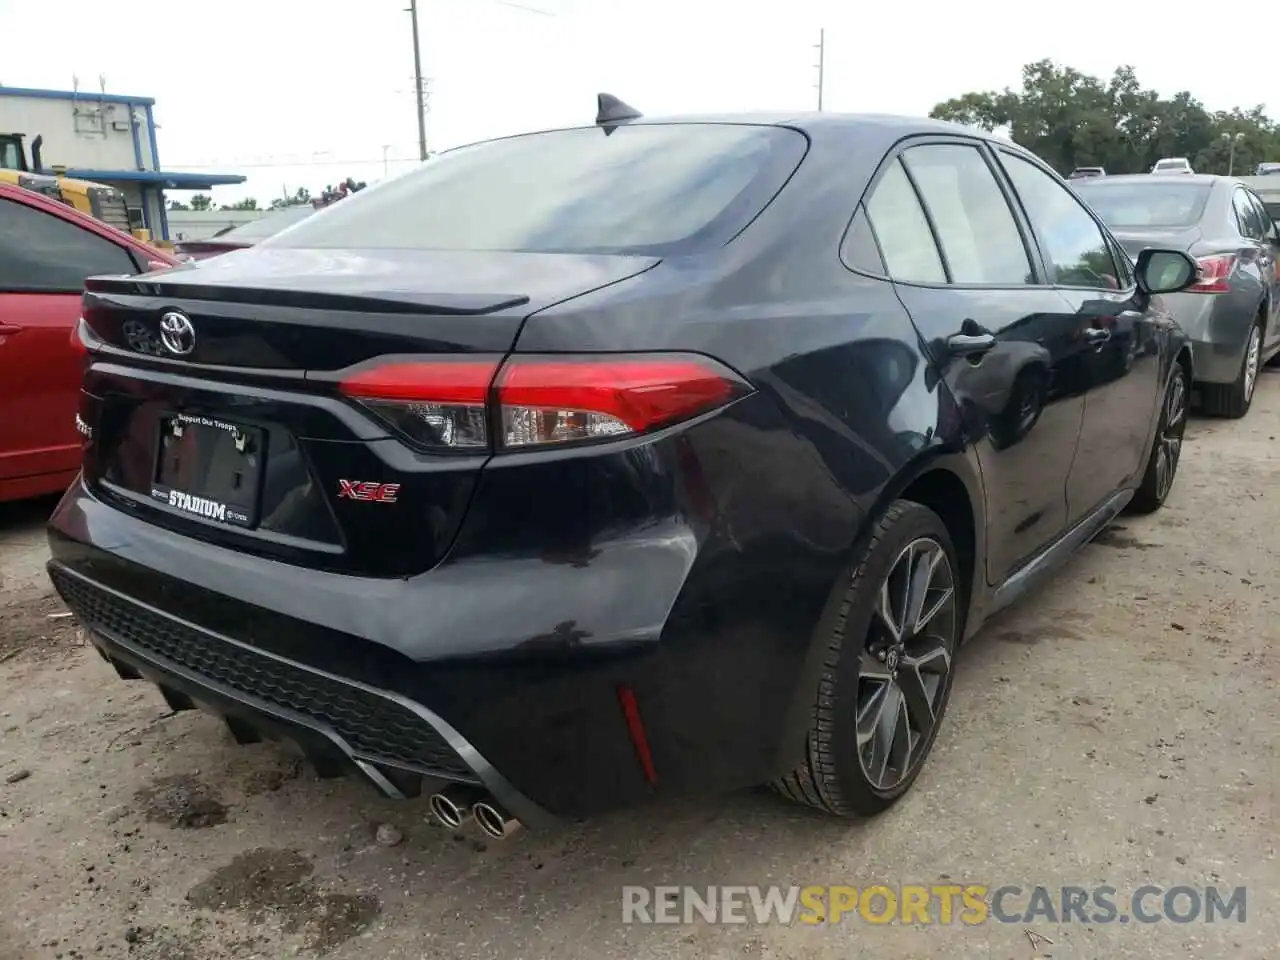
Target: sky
[(303, 94)]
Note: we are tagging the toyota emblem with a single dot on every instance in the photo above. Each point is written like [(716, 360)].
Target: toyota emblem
[(177, 334)]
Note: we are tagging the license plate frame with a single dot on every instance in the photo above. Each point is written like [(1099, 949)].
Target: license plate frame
[(209, 469)]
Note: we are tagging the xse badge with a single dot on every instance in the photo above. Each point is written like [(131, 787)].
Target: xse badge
[(368, 490)]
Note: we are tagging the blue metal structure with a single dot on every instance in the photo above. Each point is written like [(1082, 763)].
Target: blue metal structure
[(151, 180)]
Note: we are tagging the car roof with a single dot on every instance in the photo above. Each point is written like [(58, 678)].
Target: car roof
[(870, 128), (820, 122)]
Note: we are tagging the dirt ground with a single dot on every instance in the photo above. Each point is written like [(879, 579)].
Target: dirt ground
[(1120, 727)]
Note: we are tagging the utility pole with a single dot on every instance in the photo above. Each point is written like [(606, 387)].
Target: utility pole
[(418, 87), (1231, 158), (822, 51), (385, 148)]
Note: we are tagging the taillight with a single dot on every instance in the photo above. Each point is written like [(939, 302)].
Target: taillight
[(529, 401), (436, 403), (1215, 274)]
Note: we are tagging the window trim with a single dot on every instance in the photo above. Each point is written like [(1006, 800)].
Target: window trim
[(48, 290), (1030, 242), (1109, 241)]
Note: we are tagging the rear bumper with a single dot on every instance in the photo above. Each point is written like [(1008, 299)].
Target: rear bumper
[(392, 741), (508, 661), (1218, 327)]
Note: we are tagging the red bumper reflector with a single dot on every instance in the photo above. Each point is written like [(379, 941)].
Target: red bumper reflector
[(635, 727)]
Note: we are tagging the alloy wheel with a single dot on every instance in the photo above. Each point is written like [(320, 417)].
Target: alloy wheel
[(1174, 425), (1251, 362), (905, 665)]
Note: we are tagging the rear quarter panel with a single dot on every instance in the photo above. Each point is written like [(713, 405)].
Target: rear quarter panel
[(846, 410)]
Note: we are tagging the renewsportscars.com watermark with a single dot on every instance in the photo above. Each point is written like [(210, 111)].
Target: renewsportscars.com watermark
[(970, 904)]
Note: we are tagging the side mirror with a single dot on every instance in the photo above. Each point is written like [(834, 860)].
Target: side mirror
[(1165, 271)]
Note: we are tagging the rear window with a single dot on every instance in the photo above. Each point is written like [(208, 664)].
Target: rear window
[(268, 225), (1172, 165), (651, 189), (1146, 204)]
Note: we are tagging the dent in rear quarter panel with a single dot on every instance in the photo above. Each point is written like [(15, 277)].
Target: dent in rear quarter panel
[(768, 496)]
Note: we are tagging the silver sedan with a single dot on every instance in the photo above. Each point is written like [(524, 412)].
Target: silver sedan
[(1232, 314)]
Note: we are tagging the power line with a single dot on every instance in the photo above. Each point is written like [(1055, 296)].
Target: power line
[(525, 7)]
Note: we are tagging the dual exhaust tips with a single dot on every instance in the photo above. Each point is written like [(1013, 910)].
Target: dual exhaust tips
[(454, 806)]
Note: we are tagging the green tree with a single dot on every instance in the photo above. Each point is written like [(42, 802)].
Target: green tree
[(248, 203), (178, 205), (201, 202), (298, 198), (1071, 119)]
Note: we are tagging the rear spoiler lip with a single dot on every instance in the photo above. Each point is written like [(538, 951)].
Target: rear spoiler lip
[(160, 286)]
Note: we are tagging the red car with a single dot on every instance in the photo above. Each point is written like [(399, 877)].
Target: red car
[(47, 249)]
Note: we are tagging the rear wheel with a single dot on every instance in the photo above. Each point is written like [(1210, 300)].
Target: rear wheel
[(887, 672), (1162, 464), (1234, 399)]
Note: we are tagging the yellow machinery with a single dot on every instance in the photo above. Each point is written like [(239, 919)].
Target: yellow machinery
[(97, 200)]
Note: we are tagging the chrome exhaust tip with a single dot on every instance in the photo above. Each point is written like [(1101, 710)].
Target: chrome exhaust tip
[(494, 820), (451, 806)]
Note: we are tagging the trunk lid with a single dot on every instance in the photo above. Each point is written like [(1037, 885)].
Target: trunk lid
[(287, 311), (244, 440)]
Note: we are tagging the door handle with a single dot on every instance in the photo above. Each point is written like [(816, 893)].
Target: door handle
[(8, 329), (1096, 335), (970, 345)]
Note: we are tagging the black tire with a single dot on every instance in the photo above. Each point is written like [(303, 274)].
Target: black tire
[(1166, 448), (833, 777), (1232, 400)]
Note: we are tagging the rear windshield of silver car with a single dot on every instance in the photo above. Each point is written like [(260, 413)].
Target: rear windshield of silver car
[(1146, 204), (268, 224), (652, 189)]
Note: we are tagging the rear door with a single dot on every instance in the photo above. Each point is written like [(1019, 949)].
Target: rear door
[(44, 260), (1121, 368), (1271, 243), (966, 270)]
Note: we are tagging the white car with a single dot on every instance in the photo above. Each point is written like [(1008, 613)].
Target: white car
[(1173, 165)]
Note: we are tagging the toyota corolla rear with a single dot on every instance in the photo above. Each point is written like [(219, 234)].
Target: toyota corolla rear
[(330, 492)]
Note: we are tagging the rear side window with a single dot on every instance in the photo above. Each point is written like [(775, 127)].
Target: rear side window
[(860, 250), (1075, 245), (41, 253), (898, 220), (979, 236), (1247, 216), (1263, 214), (654, 189)]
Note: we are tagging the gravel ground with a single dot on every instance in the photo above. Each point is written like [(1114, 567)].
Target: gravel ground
[(1119, 727)]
